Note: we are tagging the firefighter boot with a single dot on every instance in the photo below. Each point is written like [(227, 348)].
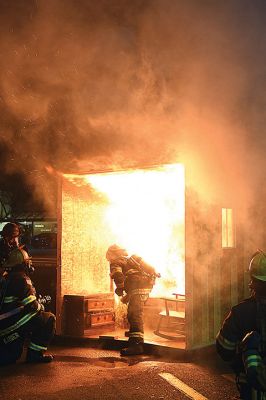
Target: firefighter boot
[(135, 347), (38, 357)]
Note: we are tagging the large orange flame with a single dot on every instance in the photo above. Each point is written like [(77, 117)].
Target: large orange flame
[(146, 214), (142, 210)]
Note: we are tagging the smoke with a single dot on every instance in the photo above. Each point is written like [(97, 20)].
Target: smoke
[(88, 84)]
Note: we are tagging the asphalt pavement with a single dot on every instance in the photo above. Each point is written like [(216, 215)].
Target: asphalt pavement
[(84, 373)]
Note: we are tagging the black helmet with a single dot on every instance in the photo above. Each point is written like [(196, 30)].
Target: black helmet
[(10, 230)]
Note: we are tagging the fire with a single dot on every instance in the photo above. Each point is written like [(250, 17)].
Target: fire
[(142, 210), (145, 213)]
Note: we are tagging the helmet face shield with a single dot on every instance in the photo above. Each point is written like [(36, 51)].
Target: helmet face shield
[(257, 266)]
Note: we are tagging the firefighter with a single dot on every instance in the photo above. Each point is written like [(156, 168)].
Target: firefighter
[(22, 318), (134, 280), (10, 239), (242, 338)]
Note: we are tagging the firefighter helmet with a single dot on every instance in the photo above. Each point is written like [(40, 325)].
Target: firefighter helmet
[(257, 266), (10, 230), (114, 252), (16, 257)]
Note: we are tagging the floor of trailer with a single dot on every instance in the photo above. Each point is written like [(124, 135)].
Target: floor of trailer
[(164, 338), (160, 328)]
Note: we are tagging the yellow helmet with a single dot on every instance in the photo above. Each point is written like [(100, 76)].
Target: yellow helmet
[(115, 252), (257, 266), (17, 256)]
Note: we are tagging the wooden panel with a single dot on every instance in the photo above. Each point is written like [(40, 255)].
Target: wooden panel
[(202, 251), (216, 298), (211, 296), (59, 295), (84, 240), (215, 277)]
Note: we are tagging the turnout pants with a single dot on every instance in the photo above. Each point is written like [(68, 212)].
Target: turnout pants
[(39, 331), (246, 391), (135, 316)]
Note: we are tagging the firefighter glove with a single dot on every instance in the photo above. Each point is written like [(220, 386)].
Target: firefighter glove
[(251, 341), (125, 299), (119, 291)]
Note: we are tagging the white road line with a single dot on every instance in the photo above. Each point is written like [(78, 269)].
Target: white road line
[(182, 387)]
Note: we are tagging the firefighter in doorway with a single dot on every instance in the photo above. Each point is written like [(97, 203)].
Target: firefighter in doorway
[(22, 318), (134, 279), (242, 338)]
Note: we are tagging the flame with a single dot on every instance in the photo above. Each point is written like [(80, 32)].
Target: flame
[(146, 215)]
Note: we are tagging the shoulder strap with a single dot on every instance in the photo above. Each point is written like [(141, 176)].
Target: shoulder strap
[(134, 262)]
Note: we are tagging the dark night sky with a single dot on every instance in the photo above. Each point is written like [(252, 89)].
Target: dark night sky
[(115, 82)]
